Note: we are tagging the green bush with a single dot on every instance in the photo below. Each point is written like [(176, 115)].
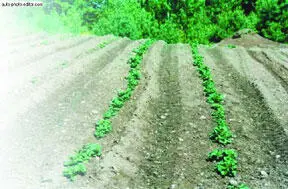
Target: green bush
[(202, 21), (273, 16), (125, 19)]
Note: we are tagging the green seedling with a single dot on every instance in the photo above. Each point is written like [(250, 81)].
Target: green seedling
[(117, 103), (105, 43), (111, 112), (204, 72), (72, 171), (209, 87), (102, 45), (241, 186), (125, 95), (230, 46), (75, 164), (87, 151), (219, 113), (102, 128), (132, 82), (135, 61), (215, 98), (227, 163), (134, 74), (216, 106), (221, 133), (198, 60)]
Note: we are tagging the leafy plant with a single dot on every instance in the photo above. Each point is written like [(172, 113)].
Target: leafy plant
[(125, 95), (72, 171), (103, 127), (209, 87), (221, 133), (230, 46), (87, 151), (74, 166), (219, 113), (227, 163), (215, 98), (117, 103), (204, 72), (110, 113)]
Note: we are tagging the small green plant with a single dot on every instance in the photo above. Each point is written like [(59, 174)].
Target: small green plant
[(102, 45), (117, 103), (204, 72), (209, 87), (219, 113), (215, 98), (72, 171), (74, 166), (105, 43), (240, 186), (125, 95), (103, 127), (110, 113), (227, 163), (230, 46), (221, 133)]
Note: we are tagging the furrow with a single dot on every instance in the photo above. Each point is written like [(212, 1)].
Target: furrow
[(252, 121)]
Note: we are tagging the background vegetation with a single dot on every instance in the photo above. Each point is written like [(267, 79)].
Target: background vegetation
[(187, 21)]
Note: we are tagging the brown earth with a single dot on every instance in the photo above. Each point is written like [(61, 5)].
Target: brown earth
[(54, 89)]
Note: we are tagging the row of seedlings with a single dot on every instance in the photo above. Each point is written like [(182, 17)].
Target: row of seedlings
[(226, 158), (75, 166)]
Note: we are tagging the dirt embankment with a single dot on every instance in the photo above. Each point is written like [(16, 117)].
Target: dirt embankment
[(56, 91)]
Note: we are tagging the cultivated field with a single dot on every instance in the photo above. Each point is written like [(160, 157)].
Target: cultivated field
[(54, 88)]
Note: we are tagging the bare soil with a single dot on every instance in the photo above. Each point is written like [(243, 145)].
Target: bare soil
[(55, 88)]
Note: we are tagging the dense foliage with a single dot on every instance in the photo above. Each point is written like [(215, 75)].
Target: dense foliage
[(186, 21)]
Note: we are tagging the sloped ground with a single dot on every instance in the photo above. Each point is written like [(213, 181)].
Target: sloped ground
[(54, 89)]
